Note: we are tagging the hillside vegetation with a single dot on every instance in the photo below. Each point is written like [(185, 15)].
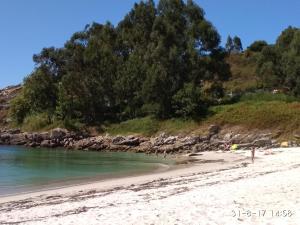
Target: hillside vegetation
[(161, 69), (243, 73), (272, 112)]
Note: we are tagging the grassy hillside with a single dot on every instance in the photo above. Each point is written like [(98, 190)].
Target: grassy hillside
[(256, 111), (274, 115)]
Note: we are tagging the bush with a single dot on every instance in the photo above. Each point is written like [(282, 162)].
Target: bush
[(36, 122), (257, 46), (188, 102), (19, 109)]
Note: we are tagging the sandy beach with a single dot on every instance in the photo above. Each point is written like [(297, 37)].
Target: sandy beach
[(221, 188)]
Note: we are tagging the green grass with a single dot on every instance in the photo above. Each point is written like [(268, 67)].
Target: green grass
[(175, 126), (255, 111), (41, 122), (259, 115), (266, 97), (36, 122), (146, 126), (149, 126)]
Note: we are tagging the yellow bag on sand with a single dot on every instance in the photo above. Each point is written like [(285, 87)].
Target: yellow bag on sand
[(234, 147), (284, 144)]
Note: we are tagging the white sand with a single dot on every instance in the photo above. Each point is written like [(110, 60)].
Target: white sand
[(202, 194)]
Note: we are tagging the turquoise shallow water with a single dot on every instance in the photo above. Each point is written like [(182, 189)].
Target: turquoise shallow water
[(26, 169)]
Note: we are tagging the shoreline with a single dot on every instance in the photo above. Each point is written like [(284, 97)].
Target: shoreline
[(81, 181), (212, 161)]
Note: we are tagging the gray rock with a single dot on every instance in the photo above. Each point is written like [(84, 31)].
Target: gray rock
[(170, 140), (5, 137), (228, 136), (129, 141), (18, 139), (84, 143), (262, 142), (45, 135), (58, 133), (190, 140), (160, 140), (118, 139)]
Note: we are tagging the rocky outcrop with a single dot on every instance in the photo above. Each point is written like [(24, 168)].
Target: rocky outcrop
[(215, 139)]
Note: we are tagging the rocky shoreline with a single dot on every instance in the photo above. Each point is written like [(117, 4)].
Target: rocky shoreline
[(215, 139)]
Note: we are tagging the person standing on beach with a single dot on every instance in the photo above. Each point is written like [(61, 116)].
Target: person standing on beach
[(252, 154)]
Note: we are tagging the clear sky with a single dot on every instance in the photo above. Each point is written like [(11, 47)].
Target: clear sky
[(29, 25)]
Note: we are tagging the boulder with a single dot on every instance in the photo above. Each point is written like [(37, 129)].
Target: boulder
[(84, 143), (5, 137), (160, 140), (200, 147), (263, 142), (228, 136), (116, 140), (143, 147), (45, 135), (170, 140), (58, 133), (98, 146), (34, 137), (18, 139), (48, 144), (190, 140)]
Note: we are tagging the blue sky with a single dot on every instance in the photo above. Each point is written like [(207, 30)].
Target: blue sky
[(28, 26)]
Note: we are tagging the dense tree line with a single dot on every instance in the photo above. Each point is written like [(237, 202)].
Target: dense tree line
[(163, 60), (279, 64)]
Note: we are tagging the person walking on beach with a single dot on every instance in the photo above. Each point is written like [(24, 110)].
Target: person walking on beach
[(252, 154)]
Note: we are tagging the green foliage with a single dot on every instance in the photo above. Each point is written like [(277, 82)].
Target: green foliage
[(36, 122), (279, 65), (38, 95), (257, 46), (153, 63), (229, 44), (19, 108), (237, 44), (188, 102)]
